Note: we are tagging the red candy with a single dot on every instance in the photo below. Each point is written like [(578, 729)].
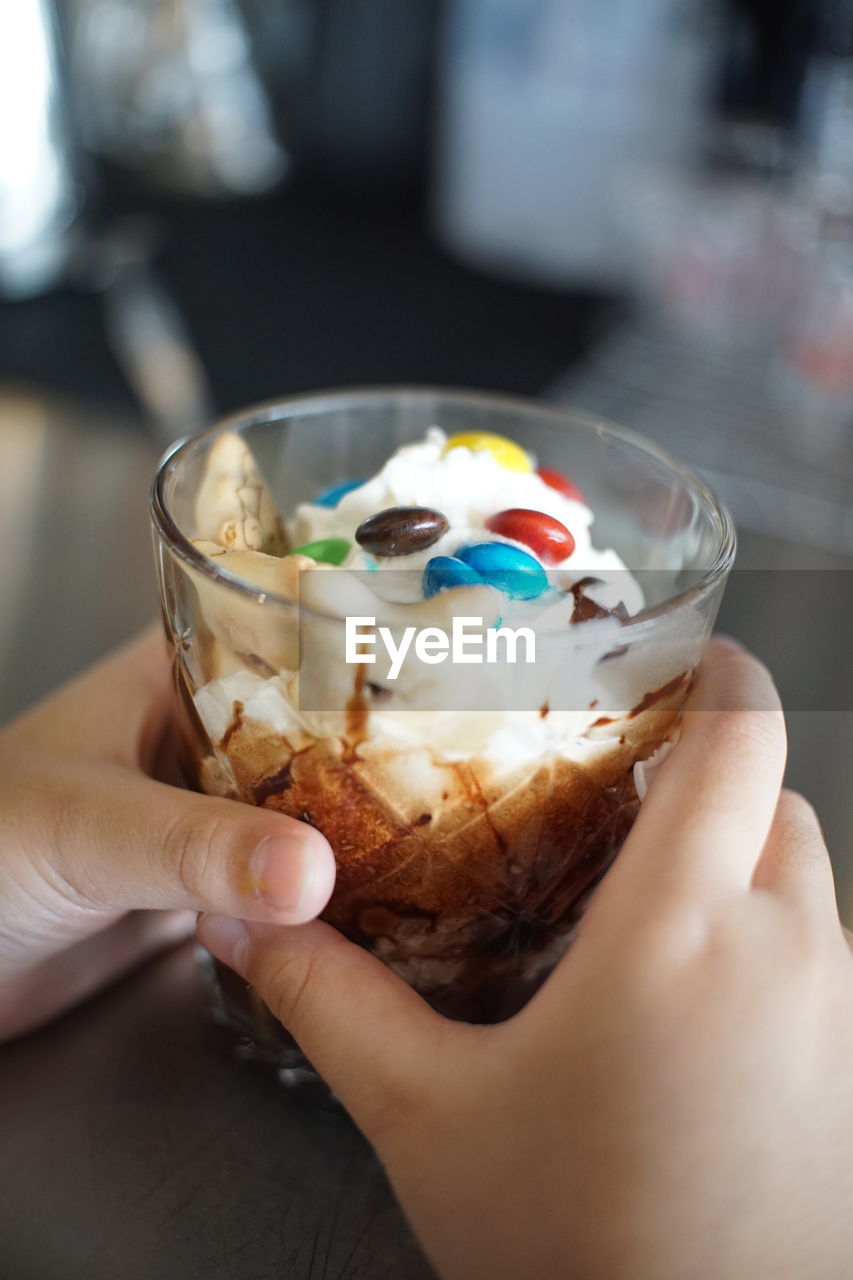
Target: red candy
[(556, 480), (545, 536)]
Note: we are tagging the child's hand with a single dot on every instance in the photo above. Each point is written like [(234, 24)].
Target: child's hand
[(677, 1101), (87, 836)]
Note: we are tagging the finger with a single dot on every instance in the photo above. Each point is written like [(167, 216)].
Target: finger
[(118, 840), (705, 820), (117, 709), (795, 863), (80, 971), (371, 1038)]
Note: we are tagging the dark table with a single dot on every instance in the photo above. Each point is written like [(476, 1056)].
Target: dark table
[(135, 1147)]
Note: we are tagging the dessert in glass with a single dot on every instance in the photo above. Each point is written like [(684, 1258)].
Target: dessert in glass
[(473, 795)]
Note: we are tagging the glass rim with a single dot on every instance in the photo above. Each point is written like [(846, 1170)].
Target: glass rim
[(281, 408)]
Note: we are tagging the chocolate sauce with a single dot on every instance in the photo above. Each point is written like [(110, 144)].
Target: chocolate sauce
[(658, 695), (486, 950), (274, 785), (473, 898), (234, 726), (357, 713), (614, 653), (585, 609)]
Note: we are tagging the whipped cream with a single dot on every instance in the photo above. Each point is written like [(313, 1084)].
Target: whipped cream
[(467, 486), (507, 739), (566, 692)]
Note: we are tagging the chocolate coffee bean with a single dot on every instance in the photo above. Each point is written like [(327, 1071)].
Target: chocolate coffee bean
[(398, 531)]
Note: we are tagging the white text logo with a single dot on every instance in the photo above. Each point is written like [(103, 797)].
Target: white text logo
[(468, 642)]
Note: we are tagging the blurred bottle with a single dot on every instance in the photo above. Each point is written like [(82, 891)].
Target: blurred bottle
[(767, 49), (168, 87), (350, 81), (549, 109), (826, 115), (40, 187), (814, 373)]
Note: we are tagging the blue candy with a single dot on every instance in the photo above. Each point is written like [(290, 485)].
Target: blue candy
[(331, 496), (508, 568), (443, 572)]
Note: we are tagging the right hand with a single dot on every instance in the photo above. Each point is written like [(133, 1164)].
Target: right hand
[(676, 1103)]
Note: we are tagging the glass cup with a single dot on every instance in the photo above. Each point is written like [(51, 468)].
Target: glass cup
[(472, 811)]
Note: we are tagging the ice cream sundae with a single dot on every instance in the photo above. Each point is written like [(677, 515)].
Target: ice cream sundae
[(448, 630), (472, 810)]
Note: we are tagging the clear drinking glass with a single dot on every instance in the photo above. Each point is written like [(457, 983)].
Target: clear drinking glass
[(465, 854)]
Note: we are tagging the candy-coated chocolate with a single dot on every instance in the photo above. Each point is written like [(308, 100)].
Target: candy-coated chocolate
[(445, 572), (508, 568), (398, 531), (331, 496), (325, 550), (556, 480), (506, 452), (546, 537)]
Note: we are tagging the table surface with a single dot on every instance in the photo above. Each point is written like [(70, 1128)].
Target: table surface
[(136, 1146)]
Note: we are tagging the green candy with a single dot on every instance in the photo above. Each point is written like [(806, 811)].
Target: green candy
[(326, 550)]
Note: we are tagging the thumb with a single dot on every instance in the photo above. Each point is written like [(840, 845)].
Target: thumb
[(371, 1038), (109, 839)]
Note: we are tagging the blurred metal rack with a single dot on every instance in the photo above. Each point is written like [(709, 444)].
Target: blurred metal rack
[(716, 407)]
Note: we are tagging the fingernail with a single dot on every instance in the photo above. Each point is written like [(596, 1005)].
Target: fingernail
[(225, 937), (286, 874)]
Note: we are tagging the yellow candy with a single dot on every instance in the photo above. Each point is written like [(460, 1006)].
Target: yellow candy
[(506, 452)]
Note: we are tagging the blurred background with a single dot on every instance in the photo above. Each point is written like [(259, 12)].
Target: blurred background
[(642, 208)]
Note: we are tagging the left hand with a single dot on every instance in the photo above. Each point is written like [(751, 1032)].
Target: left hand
[(89, 835)]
